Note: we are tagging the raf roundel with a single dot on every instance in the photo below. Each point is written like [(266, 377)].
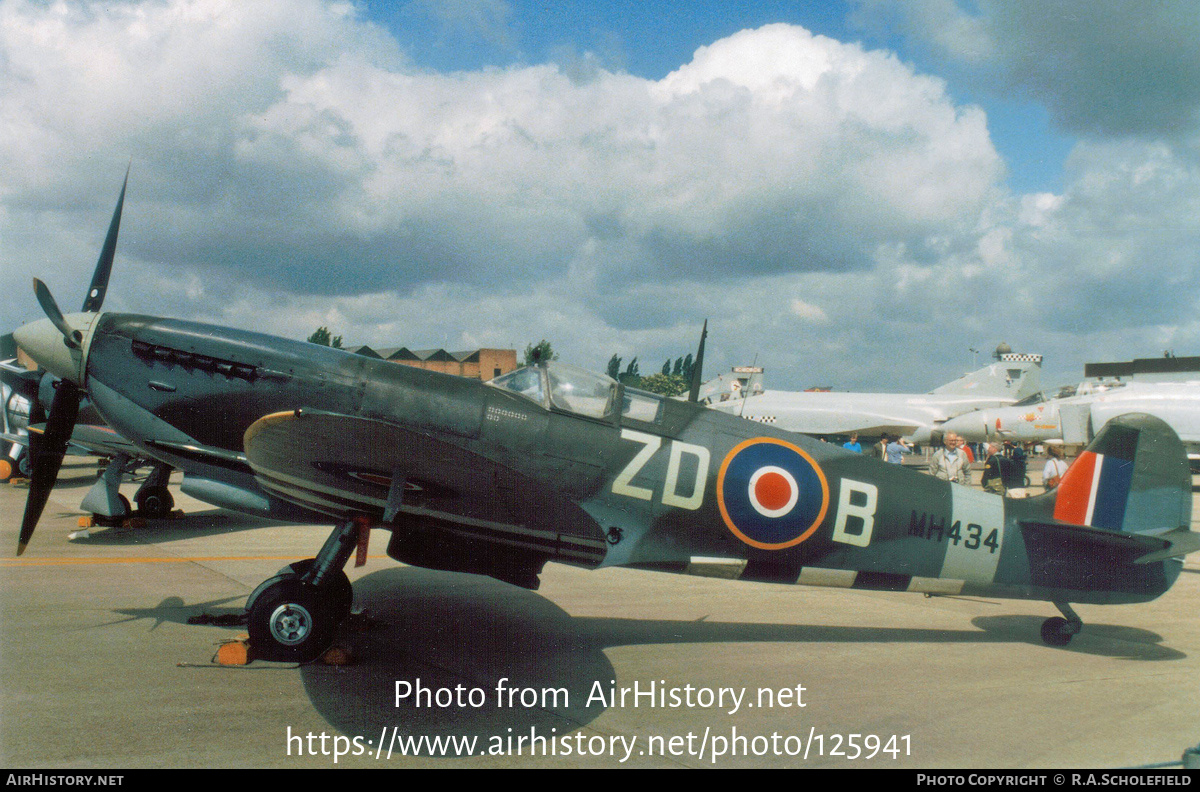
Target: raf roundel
[(772, 495)]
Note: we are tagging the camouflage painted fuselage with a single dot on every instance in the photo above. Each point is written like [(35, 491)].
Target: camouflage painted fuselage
[(489, 480)]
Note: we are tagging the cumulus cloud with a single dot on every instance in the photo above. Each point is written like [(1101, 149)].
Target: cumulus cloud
[(1101, 68), (828, 207)]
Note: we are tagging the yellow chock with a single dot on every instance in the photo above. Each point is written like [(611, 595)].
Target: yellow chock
[(234, 653), (87, 521)]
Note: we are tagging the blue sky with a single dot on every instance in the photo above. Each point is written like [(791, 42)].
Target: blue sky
[(855, 193)]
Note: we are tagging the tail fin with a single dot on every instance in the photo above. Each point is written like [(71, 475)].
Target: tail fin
[(1015, 376), (1132, 478)]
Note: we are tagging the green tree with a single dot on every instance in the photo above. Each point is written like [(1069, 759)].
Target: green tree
[(631, 376), (614, 366), (322, 336), (541, 352), (665, 384)]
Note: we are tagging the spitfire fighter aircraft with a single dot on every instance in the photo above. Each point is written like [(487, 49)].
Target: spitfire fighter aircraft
[(1010, 379), (553, 463)]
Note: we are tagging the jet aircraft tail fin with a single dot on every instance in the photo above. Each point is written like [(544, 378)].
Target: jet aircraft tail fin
[(1013, 376), (1132, 478)]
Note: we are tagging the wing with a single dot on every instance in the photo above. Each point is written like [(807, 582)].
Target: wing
[(91, 439), (343, 465)]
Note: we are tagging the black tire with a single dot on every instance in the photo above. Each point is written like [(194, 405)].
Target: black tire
[(25, 465), (125, 503), (287, 622), (1056, 631), (337, 591), (155, 503)]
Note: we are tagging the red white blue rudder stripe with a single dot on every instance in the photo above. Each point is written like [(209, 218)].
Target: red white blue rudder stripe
[(1095, 489)]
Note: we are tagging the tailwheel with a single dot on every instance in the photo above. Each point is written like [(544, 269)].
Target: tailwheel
[(290, 621), (1057, 631)]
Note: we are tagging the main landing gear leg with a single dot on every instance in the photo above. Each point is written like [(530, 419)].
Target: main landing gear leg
[(292, 616), (1059, 631), (153, 499)]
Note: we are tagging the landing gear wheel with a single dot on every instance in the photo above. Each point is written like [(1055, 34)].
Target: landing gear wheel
[(289, 623), (155, 502), (337, 592), (1057, 631), (25, 465), (125, 503)]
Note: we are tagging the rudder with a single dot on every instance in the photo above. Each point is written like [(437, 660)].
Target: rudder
[(1133, 477)]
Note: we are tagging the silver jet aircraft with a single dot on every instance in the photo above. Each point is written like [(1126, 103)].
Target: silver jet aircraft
[(1012, 378), (1078, 418)]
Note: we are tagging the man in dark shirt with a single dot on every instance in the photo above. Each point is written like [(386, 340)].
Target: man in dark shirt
[(996, 471), (1016, 470)]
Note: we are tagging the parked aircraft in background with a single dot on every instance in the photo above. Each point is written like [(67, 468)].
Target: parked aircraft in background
[(1010, 379), (1076, 419), (736, 384), (552, 463), (14, 422), (30, 394)]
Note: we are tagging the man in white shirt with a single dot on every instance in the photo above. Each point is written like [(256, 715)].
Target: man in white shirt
[(950, 462)]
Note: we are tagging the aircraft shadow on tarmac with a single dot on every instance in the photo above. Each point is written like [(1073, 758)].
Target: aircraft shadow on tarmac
[(175, 610), (193, 525), (448, 630)]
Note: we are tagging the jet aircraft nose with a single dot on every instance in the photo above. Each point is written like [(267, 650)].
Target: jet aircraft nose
[(972, 426), (44, 342)]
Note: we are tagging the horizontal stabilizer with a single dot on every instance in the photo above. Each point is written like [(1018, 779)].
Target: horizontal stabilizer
[(1068, 533), (1180, 543)]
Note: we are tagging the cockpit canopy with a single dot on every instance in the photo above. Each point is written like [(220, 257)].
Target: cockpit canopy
[(571, 389), (568, 387), (1085, 388)]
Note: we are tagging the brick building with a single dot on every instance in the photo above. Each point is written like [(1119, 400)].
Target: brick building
[(483, 364)]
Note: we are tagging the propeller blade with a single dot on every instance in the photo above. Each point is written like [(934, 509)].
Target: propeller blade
[(46, 455), (71, 337), (698, 366), (95, 295), (37, 412)]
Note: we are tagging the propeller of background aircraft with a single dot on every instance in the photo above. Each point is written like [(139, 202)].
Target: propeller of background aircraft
[(47, 451)]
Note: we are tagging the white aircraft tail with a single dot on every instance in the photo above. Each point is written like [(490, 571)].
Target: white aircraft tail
[(742, 381), (1013, 376)]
